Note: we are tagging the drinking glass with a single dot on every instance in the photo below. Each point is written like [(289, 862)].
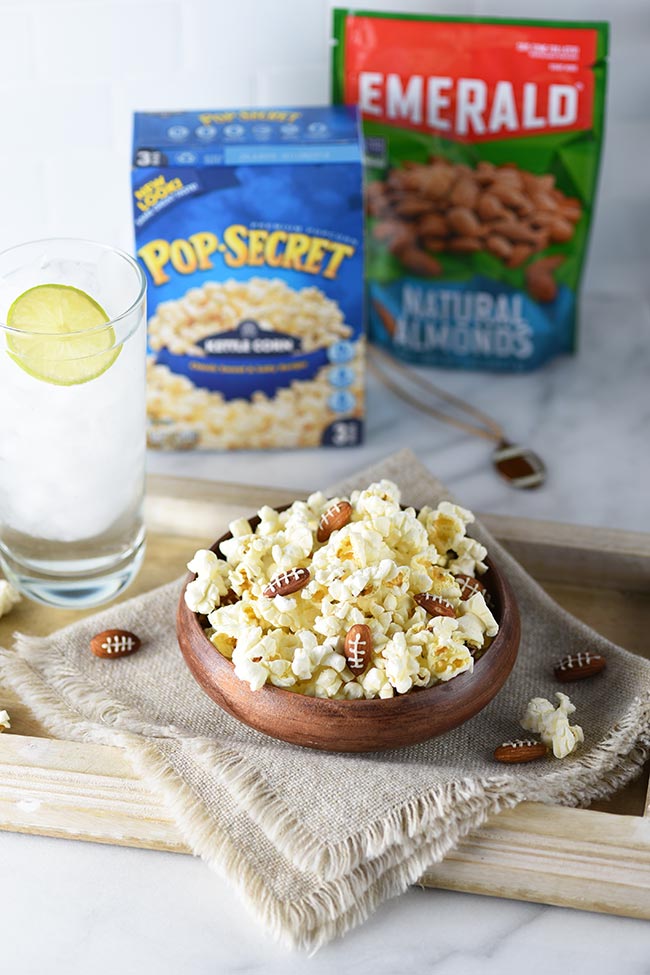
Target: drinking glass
[(72, 435)]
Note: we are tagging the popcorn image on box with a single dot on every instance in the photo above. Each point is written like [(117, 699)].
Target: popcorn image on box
[(249, 227)]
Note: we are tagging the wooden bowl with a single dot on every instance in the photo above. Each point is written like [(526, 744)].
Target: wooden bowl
[(356, 726)]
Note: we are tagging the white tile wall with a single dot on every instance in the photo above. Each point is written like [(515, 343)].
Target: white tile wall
[(108, 41), (73, 71), (17, 55)]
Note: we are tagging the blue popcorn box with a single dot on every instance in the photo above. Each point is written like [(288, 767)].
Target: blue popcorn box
[(249, 227)]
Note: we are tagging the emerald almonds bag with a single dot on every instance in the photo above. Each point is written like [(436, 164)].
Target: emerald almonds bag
[(483, 143)]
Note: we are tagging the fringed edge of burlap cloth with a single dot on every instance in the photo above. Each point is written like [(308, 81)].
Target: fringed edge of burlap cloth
[(348, 900)]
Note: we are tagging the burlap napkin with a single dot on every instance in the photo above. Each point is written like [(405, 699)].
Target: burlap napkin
[(314, 841)]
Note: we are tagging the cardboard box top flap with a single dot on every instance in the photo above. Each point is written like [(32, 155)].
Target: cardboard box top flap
[(247, 136)]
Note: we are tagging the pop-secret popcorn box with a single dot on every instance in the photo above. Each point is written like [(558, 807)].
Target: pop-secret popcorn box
[(249, 227)]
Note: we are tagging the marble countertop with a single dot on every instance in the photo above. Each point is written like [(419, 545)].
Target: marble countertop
[(80, 907)]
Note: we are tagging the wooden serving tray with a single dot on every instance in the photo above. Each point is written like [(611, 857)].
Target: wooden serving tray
[(596, 859)]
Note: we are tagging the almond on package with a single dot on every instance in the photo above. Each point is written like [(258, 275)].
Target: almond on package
[(482, 150)]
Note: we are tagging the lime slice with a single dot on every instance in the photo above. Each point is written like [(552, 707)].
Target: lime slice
[(58, 346)]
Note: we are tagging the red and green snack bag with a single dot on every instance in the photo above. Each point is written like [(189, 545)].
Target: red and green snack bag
[(483, 143)]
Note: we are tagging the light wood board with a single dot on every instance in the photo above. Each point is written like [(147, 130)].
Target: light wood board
[(597, 859)]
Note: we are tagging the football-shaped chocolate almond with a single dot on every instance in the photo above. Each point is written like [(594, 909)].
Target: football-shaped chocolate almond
[(115, 643), (514, 752), (578, 666), (334, 518), (287, 582), (435, 605), (358, 647), (469, 586)]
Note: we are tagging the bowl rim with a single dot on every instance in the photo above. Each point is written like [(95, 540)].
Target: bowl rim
[(499, 587)]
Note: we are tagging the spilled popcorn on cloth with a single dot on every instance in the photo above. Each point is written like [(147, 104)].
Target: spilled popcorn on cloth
[(9, 597), (368, 571), (552, 724), (5, 723)]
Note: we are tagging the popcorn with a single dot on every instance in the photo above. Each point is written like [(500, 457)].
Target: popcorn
[(258, 657), (375, 683), (552, 724), (311, 655), (446, 525), (327, 683), (239, 527), (211, 583), (9, 597), (5, 723), (352, 691), (447, 655), (366, 572), (470, 556), (476, 607), (402, 662)]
